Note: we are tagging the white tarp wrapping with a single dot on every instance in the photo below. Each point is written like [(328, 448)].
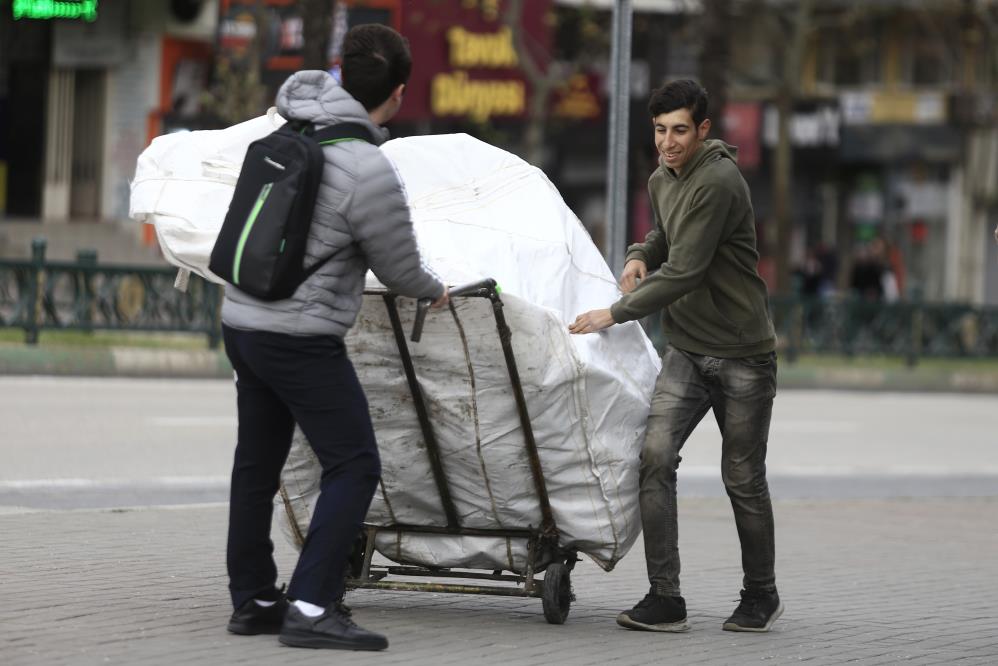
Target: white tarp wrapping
[(479, 212), (183, 184)]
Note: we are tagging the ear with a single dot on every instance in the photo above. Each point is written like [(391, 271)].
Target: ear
[(704, 129), (398, 92)]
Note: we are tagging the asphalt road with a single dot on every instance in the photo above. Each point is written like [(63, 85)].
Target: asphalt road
[(78, 442)]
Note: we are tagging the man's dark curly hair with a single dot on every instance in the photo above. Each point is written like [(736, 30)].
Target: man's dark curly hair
[(683, 94), (376, 60)]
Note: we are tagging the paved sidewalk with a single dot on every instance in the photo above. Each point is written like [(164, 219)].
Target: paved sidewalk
[(866, 581)]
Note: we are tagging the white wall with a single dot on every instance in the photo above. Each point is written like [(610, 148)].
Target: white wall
[(133, 93)]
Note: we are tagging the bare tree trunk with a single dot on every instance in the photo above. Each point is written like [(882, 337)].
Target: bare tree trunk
[(541, 84), (533, 137), (783, 215), (317, 25), (715, 58), (779, 243)]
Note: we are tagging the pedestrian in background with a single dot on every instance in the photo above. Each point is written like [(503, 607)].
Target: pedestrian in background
[(720, 355), (291, 364)]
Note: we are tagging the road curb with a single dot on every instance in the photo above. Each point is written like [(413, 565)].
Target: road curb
[(114, 362), (901, 379), (213, 364)]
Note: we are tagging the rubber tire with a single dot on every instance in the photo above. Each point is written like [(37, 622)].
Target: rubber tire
[(556, 596)]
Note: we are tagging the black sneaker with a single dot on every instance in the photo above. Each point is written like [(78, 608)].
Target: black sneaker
[(251, 618), (332, 630), (756, 612), (656, 613)]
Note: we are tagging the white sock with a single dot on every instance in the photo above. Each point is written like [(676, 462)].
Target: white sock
[(308, 609), (265, 604)]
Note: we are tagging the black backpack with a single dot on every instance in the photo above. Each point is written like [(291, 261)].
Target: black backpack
[(261, 246)]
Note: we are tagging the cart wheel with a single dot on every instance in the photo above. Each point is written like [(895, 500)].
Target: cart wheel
[(557, 594)]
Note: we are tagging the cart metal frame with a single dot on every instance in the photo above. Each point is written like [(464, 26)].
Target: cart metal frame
[(543, 550)]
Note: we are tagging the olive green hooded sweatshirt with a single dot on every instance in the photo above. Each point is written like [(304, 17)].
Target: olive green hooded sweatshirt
[(707, 286)]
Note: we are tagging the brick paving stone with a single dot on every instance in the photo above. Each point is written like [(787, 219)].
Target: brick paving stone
[(864, 581)]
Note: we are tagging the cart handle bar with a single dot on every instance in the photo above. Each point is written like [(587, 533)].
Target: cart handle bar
[(485, 287)]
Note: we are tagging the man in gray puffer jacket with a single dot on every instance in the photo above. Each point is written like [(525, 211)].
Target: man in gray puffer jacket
[(291, 364)]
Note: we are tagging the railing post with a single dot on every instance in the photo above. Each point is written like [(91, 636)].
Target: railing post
[(917, 326), (35, 291), (850, 305), (87, 259), (795, 334), (213, 294)]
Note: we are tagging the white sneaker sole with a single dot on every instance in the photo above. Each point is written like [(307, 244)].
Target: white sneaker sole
[(670, 627), (731, 626)]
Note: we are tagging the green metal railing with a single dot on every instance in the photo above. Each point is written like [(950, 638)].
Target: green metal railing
[(37, 295), (848, 326), (909, 329)]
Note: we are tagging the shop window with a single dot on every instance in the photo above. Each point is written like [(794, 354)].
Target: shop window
[(930, 60), (849, 57)]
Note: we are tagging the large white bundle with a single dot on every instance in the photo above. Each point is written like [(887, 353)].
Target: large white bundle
[(482, 212), (183, 184)]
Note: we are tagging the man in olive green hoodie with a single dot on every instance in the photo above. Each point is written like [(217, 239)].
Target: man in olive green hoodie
[(721, 354)]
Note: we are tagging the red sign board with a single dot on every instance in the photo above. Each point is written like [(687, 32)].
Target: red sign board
[(464, 63), (742, 126)]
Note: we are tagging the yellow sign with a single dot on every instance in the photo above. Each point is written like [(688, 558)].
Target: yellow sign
[(903, 107), (471, 49), (454, 94), (578, 100)]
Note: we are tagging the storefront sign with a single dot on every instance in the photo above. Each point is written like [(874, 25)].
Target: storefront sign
[(809, 128), (901, 108), (492, 50), (85, 10), (465, 63), (742, 121), (578, 98), (454, 94), (457, 94)]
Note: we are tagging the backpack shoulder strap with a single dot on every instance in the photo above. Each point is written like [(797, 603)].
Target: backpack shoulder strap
[(335, 134), (342, 132)]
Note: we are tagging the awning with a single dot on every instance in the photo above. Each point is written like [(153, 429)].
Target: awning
[(645, 6), (894, 143)]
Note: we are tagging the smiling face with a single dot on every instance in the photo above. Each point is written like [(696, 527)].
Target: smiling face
[(678, 138)]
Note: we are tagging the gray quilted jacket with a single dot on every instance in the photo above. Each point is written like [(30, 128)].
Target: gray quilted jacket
[(361, 221)]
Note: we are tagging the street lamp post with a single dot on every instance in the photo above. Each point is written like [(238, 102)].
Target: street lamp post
[(620, 94)]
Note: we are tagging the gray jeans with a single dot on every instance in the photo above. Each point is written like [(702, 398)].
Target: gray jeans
[(740, 391)]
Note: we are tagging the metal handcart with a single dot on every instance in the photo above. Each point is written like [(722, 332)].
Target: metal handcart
[(544, 553)]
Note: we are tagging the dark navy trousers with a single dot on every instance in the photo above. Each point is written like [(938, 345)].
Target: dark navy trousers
[(282, 380)]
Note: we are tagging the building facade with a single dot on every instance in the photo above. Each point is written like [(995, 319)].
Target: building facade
[(893, 122), (81, 94), (893, 115)]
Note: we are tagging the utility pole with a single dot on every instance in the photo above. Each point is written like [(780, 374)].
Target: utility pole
[(620, 99)]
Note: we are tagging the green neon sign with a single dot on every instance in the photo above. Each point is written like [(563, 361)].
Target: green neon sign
[(53, 9)]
